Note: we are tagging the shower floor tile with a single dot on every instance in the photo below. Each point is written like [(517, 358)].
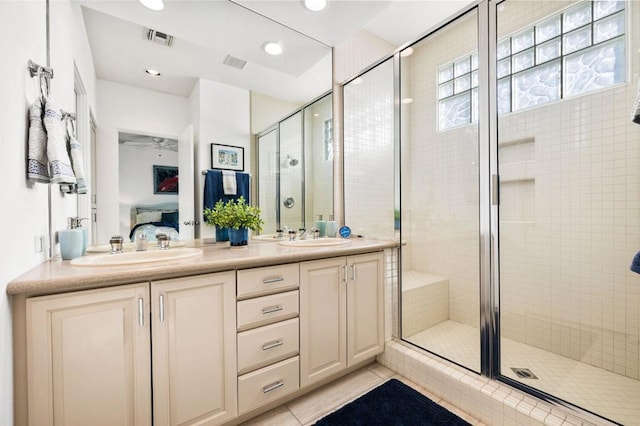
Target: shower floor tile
[(608, 394)]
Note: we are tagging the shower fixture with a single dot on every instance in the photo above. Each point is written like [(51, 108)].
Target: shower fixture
[(289, 162)]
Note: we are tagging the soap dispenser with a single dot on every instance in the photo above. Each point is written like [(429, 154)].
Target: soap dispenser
[(71, 239), (331, 227), (76, 223), (321, 226)]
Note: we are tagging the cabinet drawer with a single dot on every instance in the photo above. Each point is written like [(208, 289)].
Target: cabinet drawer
[(267, 309), (268, 384), (254, 282), (264, 345)]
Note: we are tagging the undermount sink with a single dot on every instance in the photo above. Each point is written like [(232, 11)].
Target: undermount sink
[(319, 242), (134, 257)]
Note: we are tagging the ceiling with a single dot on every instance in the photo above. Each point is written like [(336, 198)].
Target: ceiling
[(206, 31)]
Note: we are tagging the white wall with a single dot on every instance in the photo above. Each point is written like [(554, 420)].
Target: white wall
[(136, 180), (132, 110), (24, 213), (224, 118), (23, 37)]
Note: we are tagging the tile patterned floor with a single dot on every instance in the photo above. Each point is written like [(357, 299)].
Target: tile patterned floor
[(311, 407), (608, 394)]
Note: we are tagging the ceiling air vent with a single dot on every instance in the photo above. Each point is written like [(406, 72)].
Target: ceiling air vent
[(159, 38), (235, 62)]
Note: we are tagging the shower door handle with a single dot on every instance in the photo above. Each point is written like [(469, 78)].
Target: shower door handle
[(495, 190)]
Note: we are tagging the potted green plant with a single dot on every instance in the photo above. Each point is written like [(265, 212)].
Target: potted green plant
[(237, 216)]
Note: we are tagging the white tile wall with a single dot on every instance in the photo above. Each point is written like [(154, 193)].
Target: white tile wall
[(267, 110), (368, 153)]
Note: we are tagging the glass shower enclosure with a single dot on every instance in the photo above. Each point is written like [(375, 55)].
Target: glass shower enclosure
[(295, 168)]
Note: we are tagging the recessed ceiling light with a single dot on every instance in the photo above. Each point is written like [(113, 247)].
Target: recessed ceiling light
[(315, 114), (152, 72), (407, 101), (272, 48), (315, 5), (406, 52), (152, 4)]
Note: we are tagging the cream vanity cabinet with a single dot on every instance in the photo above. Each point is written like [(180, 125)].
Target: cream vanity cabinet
[(89, 354), (341, 314), (88, 357), (199, 350), (194, 350)]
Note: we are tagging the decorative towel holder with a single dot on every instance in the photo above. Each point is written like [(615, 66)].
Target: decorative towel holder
[(45, 74), (37, 69)]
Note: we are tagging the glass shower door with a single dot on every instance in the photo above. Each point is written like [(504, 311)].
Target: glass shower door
[(569, 200), (440, 193), (291, 172)]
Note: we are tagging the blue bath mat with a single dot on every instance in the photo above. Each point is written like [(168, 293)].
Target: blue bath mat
[(392, 404)]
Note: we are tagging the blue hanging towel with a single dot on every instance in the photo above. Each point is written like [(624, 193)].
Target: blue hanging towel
[(635, 263), (214, 190)]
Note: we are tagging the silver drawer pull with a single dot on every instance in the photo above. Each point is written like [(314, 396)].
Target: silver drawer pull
[(273, 386), (141, 312), (271, 309), (272, 280), (272, 345)]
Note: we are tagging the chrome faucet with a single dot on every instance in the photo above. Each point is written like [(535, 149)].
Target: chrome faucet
[(309, 234)]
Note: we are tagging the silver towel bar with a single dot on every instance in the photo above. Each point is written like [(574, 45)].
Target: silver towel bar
[(204, 172)]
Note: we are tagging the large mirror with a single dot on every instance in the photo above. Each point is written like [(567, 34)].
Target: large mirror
[(216, 81), (217, 85)]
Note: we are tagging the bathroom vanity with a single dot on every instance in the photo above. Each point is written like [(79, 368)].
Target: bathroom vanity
[(211, 339)]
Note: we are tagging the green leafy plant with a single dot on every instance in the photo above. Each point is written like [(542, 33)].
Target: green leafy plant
[(234, 214)]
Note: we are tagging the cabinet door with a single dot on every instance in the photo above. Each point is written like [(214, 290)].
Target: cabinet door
[(88, 357), (322, 319), (365, 307), (194, 355)]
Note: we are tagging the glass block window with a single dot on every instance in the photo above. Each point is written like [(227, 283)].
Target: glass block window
[(457, 92), (577, 51)]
